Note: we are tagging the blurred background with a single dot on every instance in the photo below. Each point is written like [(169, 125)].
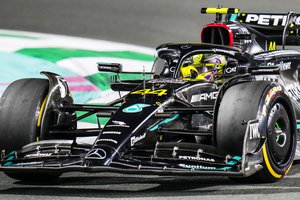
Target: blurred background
[(69, 37), (142, 22)]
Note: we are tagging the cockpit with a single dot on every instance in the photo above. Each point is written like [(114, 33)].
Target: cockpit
[(198, 65)]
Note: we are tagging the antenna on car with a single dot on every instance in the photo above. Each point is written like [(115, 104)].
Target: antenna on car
[(144, 81), (218, 15)]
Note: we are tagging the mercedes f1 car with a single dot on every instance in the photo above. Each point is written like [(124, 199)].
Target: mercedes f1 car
[(229, 106)]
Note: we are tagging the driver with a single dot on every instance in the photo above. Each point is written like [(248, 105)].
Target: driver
[(203, 67)]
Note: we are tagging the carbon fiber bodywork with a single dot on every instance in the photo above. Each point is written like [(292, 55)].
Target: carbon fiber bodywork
[(168, 125)]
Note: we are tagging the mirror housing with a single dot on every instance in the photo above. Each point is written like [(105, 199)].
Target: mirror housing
[(109, 67)]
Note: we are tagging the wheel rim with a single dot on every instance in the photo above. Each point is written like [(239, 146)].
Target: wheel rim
[(279, 138)]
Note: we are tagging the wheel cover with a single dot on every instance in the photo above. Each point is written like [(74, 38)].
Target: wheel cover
[(279, 136)]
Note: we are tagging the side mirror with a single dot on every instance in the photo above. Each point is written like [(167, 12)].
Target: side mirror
[(109, 67)]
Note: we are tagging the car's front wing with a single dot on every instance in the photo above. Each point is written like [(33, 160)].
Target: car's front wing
[(58, 156)]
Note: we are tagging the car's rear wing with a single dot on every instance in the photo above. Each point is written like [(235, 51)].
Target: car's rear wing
[(280, 28), (273, 28)]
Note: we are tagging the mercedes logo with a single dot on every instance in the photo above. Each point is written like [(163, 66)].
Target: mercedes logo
[(96, 154), (186, 46)]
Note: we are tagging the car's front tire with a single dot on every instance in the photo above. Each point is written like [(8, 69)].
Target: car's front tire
[(268, 103), (21, 108)]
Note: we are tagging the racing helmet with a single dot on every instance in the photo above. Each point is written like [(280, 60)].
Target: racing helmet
[(203, 67), (212, 65), (189, 71)]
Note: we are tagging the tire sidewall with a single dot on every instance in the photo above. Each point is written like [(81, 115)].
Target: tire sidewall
[(20, 108), (274, 94)]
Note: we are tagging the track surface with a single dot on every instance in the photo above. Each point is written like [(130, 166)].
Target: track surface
[(107, 186), (146, 23)]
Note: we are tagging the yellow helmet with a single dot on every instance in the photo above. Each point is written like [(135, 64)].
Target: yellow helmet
[(203, 66), (197, 59), (189, 72)]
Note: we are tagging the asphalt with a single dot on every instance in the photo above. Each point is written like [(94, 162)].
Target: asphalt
[(146, 23), (115, 186)]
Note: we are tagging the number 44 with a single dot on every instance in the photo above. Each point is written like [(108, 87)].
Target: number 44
[(159, 92)]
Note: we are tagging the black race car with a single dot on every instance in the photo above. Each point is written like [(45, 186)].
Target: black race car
[(228, 106)]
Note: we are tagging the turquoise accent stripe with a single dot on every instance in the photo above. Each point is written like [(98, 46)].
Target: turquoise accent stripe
[(298, 126), (233, 162), (11, 156), (238, 158), (225, 168), (164, 122), (233, 17)]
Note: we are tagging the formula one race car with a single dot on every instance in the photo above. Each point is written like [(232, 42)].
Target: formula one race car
[(227, 106)]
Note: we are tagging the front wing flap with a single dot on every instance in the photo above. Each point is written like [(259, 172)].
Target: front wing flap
[(58, 156)]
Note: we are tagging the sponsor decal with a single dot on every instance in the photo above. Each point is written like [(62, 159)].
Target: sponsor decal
[(165, 80), (38, 154), (135, 139), (230, 70), (267, 78), (275, 89), (112, 132), (285, 66), (172, 69), (197, 167), (28, 163), (186, 46), (158, 92), (135, 108), (264, 110), (282, 65), (197, 158), (204, 97), (96, 154), (267, 20), (253, 131), (294, 91), (271, 93), (118, 124), (272, 46)]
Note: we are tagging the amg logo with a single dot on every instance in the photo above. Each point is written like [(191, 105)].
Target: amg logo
[(204, 97), (274, 20), (254, 133)]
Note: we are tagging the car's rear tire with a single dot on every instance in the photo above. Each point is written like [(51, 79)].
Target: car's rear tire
[(21, 107), (270, 104)]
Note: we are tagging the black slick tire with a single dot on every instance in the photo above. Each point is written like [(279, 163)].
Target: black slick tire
[(270, 104), (21, 108)]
